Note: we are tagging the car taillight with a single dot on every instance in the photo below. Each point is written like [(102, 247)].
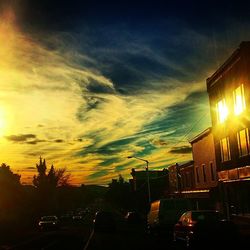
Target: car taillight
[(192, 223)]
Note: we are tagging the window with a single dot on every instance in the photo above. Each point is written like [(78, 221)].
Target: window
[(188, 179), (197, 174), (225, 149), (239, 100), (243, 142), (212, 171), (204, 172), (222, 111)]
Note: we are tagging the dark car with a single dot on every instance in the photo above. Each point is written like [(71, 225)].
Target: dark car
[(164, 213), (204, 227), (48, 222), (104, 221), (133, 217)]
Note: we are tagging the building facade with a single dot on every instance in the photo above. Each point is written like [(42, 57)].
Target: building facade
[(187, 176), (158, 181), (205, 173), (229, 96)]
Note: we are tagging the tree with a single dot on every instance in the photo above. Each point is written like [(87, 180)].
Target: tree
[(47, 184), (10, 193), (7, 177), (54, 178)]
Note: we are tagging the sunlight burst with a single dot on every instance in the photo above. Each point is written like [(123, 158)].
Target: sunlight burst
[(2, 122)]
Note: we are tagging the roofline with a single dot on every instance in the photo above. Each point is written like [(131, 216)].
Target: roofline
[(227, 65), (201, 135), (186, 164)]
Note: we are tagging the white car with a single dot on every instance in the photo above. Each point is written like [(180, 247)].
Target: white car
[(48, 222)]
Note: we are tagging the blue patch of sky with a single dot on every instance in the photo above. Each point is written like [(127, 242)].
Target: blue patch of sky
[(98, 174), (111, 148), (96, 87), (110, 161), (193, 113), (120, 168), (148, 148)]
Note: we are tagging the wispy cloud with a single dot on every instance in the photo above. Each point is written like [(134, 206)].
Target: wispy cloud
[(181, 150), (20, 138), (87, 100)]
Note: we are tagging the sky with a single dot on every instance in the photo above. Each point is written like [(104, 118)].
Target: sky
[(85, 84)]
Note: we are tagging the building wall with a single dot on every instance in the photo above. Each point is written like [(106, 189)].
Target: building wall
[(158, 182), (222, 84), (173, 185), (187, 178), (232, 164), (204, 162)]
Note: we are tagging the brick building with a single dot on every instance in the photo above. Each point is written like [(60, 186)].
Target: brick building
[(229, 95)]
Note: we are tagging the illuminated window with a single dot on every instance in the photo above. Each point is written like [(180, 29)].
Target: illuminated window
[(222, 111), (243, 142), (239, 100), (225, 149)]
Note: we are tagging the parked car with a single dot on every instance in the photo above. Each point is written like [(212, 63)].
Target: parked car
[(164, 213), (104, 221), (78, 218), (48, 222), (66, 218), (133, 217), (204, 226)]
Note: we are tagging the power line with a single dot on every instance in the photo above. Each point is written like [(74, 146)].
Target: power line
[(190, 129)]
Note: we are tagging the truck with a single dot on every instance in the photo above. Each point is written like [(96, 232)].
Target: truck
[(164, 213)]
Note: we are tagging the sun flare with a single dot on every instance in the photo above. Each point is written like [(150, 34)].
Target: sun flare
[(2, 122)]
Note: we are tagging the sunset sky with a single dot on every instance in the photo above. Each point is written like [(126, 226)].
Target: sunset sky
[(85, 84)]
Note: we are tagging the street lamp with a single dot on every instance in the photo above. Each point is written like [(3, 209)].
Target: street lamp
[(149, 193)]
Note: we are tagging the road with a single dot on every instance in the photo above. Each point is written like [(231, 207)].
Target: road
[(73, 237), (82, 237), (130, 237)]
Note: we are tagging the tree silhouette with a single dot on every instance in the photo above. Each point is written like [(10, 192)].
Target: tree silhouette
[(54, 178), (40, 180), (10, 194), (7, 177), (47, 184)]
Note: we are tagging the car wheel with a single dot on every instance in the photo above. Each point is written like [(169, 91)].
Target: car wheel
[(174, 237), (148, 229)]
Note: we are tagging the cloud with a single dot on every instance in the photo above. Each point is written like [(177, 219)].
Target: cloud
[(140, 93), (24, 138), (95, 87), (31, 168), (159, 142), (58, 140), (35, 141), (181, 150), (20, 138)]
